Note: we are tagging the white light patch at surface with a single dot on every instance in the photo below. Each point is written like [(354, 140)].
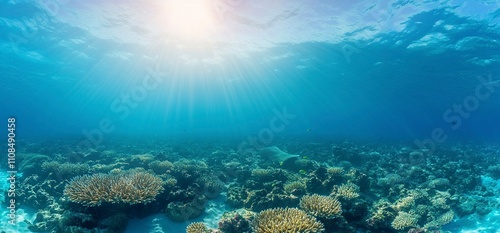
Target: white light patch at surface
[(190, 19)]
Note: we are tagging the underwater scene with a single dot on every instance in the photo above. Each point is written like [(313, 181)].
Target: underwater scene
[(250, 116)]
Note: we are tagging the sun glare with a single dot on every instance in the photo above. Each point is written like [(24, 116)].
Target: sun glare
[(190, 19)]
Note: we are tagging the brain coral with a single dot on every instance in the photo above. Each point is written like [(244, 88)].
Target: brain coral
[(130, 188), (286, 220), (321, 206)]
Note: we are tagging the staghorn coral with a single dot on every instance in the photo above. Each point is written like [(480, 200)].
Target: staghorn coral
[(422, 210), (404, 220), (335, 171), (440, 200), (197, 227), (212, 186), (295, 187), (130, 188), (64, 170), (161, 167), (190, 166), (262, 173), (288, 220), (404, 203), (382, 215), (321, 206), (347, 191), (440, 203), (440, 221), (171, 182)]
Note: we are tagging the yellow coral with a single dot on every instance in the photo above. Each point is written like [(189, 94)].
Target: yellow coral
[(144, 158), (335, 171), (404, 203), (196, 227), (288, 220), (296, 185), (422, 209), (161, 167), (382, 213), (131, 188), (171, 182), (190, 166), (446, 217), (404, 220), (321, 206), (441, 220), (440, 202), (347, 191), (259, 172)]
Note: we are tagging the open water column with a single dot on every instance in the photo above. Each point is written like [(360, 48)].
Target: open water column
[(239, 116)]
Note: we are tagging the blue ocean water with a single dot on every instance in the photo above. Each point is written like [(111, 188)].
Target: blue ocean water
[(386, 69), (424, 73)]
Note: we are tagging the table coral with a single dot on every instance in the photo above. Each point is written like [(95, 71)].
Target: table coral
[(130, 188), (321, 206), (286, 220)]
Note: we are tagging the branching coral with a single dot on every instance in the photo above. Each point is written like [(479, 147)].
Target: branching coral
[(335, 171), (321, 206), (130, 188), (295, 186), (190, 166), (440, 200), (380, 217), (404, 220), (259, 172), (197, 227), (288, 220), (65, 169), (161, 167), (441, 220), (404, 203), (347, 191)]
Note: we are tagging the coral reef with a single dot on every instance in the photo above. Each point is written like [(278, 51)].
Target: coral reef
[(65, 170), (295, 187), (161, 167), (346, 191), (340, 186), (381, 216), (335, 171), (211, 185), (183, 211), (238, 221), (130, 188), (287, 220), (197, 227), (404, 220), (321, 206)]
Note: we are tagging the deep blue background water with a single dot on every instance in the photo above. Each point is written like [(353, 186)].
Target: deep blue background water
[(381, 70)]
